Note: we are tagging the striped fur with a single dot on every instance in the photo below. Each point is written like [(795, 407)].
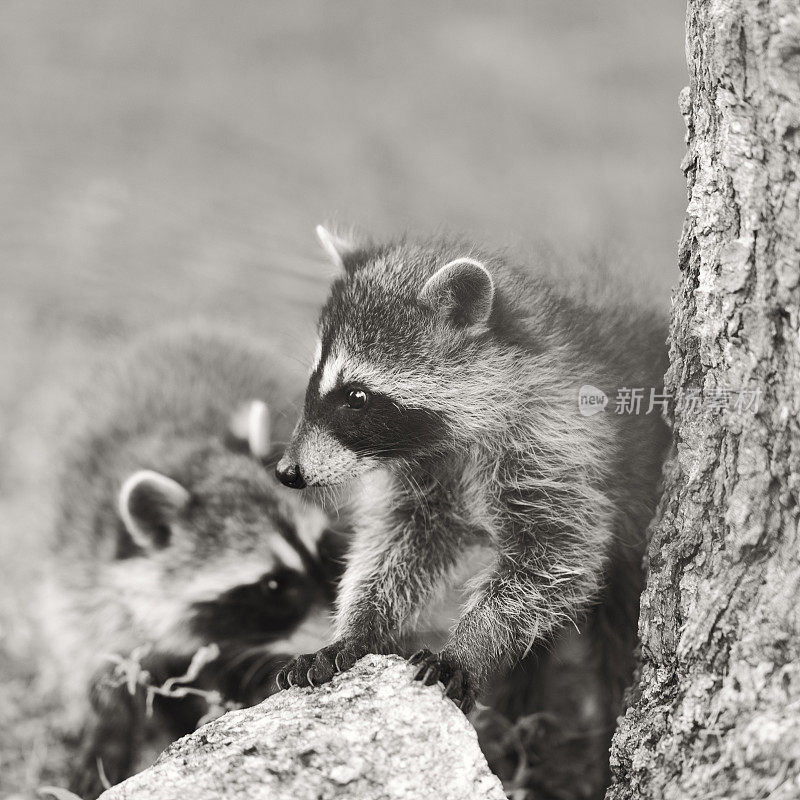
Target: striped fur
[(495, 454), (240, 563)]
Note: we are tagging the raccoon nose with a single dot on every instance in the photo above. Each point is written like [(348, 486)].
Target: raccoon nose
[(290, 475)]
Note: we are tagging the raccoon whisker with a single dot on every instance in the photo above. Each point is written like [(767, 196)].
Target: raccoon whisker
[(303, 362), (412, 483), (237, 661), (329, 496), (254, 676), (432, 483), (424, 492)]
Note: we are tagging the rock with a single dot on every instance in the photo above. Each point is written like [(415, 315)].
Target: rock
[(371, 733)]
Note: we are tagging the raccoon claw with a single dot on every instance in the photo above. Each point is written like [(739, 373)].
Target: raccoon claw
[(294, 673), (317, 668), (419, 655), (426, 661), (322, 670), (346, 655), (456, 682), (459, 689)]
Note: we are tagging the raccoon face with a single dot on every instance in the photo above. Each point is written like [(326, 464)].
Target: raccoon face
[(225, 558), (352, 428), (265, 610), (399, 337)]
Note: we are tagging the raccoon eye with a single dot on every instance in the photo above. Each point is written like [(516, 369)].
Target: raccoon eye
[(269, 585), (356, 398)]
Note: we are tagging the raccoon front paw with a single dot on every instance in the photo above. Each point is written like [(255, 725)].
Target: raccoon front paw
[(316, 668), (457, 682)]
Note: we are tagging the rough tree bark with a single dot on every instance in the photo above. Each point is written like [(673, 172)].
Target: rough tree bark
[(716, 713), (370, 734)]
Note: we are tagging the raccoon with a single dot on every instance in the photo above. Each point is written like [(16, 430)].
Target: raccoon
[(170, 536), (446, 381)]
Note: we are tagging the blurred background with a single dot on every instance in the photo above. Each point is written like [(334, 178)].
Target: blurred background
[(169, 160)]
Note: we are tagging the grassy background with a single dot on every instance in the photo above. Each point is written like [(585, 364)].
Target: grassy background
[(164, 160)]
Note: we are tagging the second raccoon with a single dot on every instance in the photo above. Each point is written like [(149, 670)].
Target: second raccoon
[(170, 536)]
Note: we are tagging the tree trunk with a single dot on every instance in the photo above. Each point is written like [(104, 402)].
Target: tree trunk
[(716, 712), (371, 734)]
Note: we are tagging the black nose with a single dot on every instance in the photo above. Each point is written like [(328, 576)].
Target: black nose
[(289, 475)]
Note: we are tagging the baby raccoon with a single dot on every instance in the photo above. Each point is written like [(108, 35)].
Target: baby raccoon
[(448, 383), (170, 536)]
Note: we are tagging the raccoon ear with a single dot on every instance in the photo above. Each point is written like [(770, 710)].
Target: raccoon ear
[(462, 291), (250, 423), (338, 248), (149, 503)]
